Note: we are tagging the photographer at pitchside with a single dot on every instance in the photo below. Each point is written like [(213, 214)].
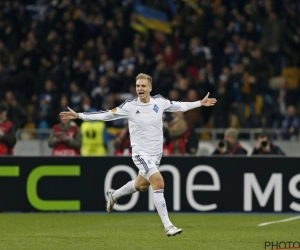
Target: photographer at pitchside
[(230, 144), (265, 146)]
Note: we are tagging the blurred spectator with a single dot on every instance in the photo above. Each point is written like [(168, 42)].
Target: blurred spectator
[(94, 138), (105, 63), (44, 113), (86, 104), (127, 78), (234, 48), (203, 86), (182, 86), (174, 95), (216, 41), (197, 57), (65, 139), (128, 61), (15, 112), (169, 56), (223, 106), (50, 90), (63, 103), (162, 78), (177, 129), (100, 93), (7, 133), (283, 98), (272, 41), (291, 124), (230, 144), (76, 96), (194, 116), (265, 146), (243, 87), (182, 137), (122, 143)]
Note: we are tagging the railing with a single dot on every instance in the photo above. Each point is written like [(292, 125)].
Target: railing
[(32, 134), (205, 133), (245, 133), (35, 142)]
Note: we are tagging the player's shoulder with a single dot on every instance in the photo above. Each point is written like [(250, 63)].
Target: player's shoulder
[(127, 102), (159, 98)]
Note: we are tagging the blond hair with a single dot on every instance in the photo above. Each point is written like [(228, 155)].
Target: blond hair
[(144, 76)]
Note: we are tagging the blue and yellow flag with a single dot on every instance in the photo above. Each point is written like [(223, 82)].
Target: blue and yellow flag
[(152, 18), (194, 6)]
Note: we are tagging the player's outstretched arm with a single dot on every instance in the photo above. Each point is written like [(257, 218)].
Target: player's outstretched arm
[(185, 106), (108, 115), (207, 102), (69, 115)]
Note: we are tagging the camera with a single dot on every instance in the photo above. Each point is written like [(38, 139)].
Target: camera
[(222, 144), (264, 144), (59, 134)]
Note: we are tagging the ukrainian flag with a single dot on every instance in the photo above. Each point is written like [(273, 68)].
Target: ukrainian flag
[(152, 18)]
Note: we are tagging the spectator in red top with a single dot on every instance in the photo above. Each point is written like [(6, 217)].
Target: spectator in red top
[(7, 133), (177, 131), (169, 56), (65, 139), (122, 143)]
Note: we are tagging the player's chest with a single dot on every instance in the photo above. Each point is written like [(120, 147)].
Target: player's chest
[(149, 114)]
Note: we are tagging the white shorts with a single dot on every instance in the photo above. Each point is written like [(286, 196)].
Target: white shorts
[(147, 164)]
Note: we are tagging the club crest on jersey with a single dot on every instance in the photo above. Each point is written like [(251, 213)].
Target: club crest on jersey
[(155, 108)]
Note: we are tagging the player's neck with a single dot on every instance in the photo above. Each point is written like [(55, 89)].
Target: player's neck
[(145, 99)]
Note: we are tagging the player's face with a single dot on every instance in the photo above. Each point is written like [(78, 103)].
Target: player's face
[(143, 89)]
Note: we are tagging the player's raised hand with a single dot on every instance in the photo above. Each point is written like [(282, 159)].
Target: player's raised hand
[(69, 115), (207, 102)]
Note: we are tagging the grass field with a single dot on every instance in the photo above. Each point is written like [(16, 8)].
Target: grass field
[(142, 231)]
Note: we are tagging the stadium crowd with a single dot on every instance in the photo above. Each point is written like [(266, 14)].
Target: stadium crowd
[(86, 54)]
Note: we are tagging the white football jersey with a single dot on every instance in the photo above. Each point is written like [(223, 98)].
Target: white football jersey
[(145, 121)]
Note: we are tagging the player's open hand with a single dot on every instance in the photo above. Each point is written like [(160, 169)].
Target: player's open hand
[(69, 115), (207, 102)]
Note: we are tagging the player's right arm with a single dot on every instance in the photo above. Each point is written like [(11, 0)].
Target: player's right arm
[(185, 106), (109, 115)]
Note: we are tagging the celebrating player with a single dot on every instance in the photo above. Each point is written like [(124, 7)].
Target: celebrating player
[(145, 123)]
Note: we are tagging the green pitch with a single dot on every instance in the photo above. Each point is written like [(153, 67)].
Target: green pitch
[(142, 231)]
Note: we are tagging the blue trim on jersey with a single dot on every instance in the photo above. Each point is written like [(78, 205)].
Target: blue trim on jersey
[(121, 106), (159, 96), (97, 112), (143, 163)]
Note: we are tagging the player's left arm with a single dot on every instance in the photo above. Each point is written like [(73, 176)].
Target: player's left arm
[(185, 106), (108, 115)]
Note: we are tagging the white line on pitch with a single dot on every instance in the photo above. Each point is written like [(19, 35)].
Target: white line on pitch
[(278, 221)]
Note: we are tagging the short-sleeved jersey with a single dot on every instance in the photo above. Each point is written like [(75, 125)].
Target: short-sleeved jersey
[(145, 121)]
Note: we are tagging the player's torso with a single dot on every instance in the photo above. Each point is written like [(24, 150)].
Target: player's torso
[(146, 117)]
